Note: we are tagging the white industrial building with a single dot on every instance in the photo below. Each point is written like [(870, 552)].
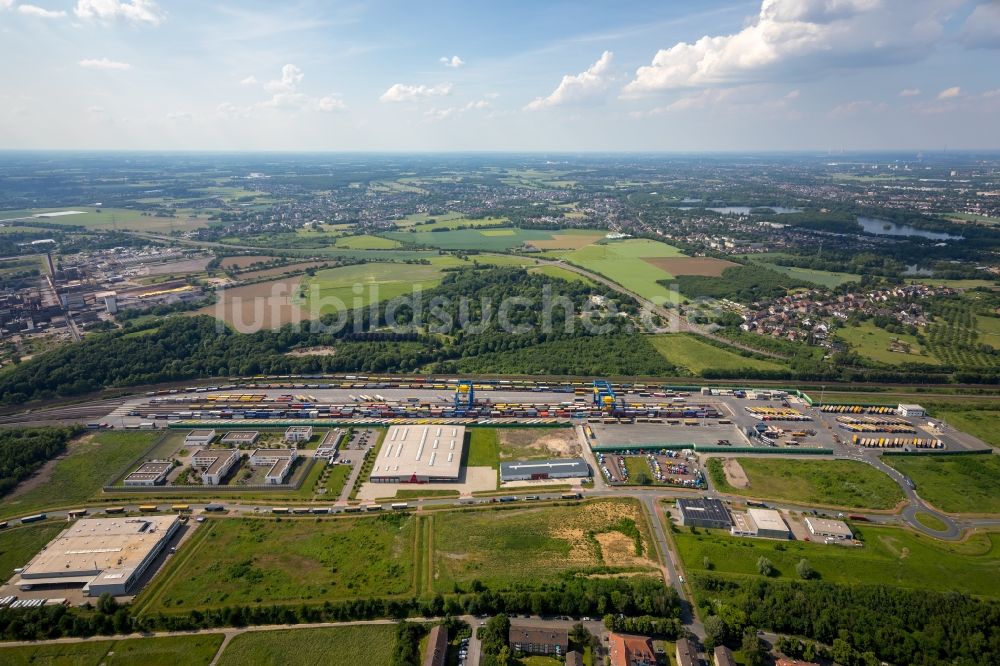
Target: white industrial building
[(527, 470), (828, 529), (762, 523), (278, 460), (911, 410), (101, 554), (215, 464), (199, 438), (152, 473), (240, 437), (420, 454), (297, 434)]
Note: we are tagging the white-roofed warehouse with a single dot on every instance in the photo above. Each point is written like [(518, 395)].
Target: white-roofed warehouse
[(420, 454), (525, 470)]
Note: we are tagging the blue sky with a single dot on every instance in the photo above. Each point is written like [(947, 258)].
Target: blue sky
[(666, 75)]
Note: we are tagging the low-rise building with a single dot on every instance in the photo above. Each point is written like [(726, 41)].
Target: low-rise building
[(240, 438), (538, 640), (828, 529), (710, 513), (911, 410), (527, 470), (762, 523), (629, 650), (152, 473), (199, 438), (297, 434), (574, 658), (687, 654), (437, 646), (723, 656), (215, 464), (278, 460)]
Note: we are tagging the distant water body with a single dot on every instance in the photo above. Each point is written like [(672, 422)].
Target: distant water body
[(744, 210), (873, 225)]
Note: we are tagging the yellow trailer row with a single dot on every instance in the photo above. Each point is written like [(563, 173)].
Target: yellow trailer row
[(897, 442)]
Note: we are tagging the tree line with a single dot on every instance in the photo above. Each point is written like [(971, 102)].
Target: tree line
[(24, 450)]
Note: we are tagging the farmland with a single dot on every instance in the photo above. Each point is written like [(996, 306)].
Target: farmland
[(829, 482), (504, 549), (687, 351), (880, 345), (366, 644), (197, 649), (251, 560), (107, 219), (957, 484), (823, 278), (74, 478), (366, 242), (618, 261), (335, 288), (265, 305), (890, 555), (709, 266), (487, 240)]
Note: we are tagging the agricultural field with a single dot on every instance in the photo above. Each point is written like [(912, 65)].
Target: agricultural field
[(264, 305), (529, 547), (91, 462), (109, 219), (378, 281), (18, 544), (880, 345), (364, 644), (709, 266), (561, 274), (254, 560), (842, 483), (617, 261), (195, 649), (570, 239), (538, 443), (282, 270), (245, 261), (487, 240), (366, 242), (828, 279), (448, 221), (989, 330), (955, 484), (890, 556), (687, 351), (954, 336)]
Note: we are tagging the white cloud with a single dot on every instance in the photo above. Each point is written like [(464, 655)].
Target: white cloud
[(401, 92), (737, 98), (249, 81), (580, 87), (856, 107), (982, 28), (909, 92), (330, 103), (40, 12), (948, 93), (291, 76), (179, 116), (130, 11), (104, 63), (441, 114), (6, 4), (453, 61), (798, 39)]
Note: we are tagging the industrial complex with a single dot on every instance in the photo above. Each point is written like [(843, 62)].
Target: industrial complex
[(420, 454)]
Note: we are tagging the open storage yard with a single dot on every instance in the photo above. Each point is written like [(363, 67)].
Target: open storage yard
[(830, 482), (538, 443), (956, 483), (889, 556)]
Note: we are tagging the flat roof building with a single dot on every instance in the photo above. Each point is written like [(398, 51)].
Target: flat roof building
[(828, 529), (215, 464), (152, 473), (299, 434), (331, 442), (538, 640), (629, 650), (278, 460), (101, 554), (710, 513), (911, 410), (420, 454), (200, 437), (762, 523), (525, 470), (240, 437)]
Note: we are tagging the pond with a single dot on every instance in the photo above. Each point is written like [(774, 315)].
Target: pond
[(744, 210), (873, 225)]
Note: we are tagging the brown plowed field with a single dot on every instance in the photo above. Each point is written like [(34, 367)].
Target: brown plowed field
[(707, 266)]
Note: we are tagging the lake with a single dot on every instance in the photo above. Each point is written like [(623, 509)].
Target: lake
[(873, 225), (744, 210)]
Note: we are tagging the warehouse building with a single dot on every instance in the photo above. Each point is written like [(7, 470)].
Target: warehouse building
[(215, 464), (571, 468), (297, 434), (761, 523), (710, 513), (240, 438), (100, 554), (420, 454), (152, 473), (279, 461), (911, 410), (199, 438), (828, 529)]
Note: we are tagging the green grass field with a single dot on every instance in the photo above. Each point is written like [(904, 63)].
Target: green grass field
[(248, 561), (108, 219), (366, 242), (335, 482), (824, 278), (830, 482), (931, 521), (529, 547), (956, 484), (377, 281), (621, 261), (872, 342), (989, 330), (561, 273), (19, 544), (487, 240), (688, 351), (981, 423), (91, 462), (890, 556), (366, 644), (484, 448), (195, 649)]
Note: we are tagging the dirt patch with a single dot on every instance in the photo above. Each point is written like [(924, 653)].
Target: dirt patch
[(580, 551), (314, 351), (243, 262), (177, 267), (619, 550), (707, 266), (281, 270), (529, 443), (735, 475), (567, 241), (266, 305), (44, 473)]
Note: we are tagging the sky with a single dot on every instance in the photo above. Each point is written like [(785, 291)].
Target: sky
[(518, 75)]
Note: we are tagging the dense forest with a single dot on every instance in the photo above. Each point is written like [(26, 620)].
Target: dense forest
[(24, 450), (863, 624)]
